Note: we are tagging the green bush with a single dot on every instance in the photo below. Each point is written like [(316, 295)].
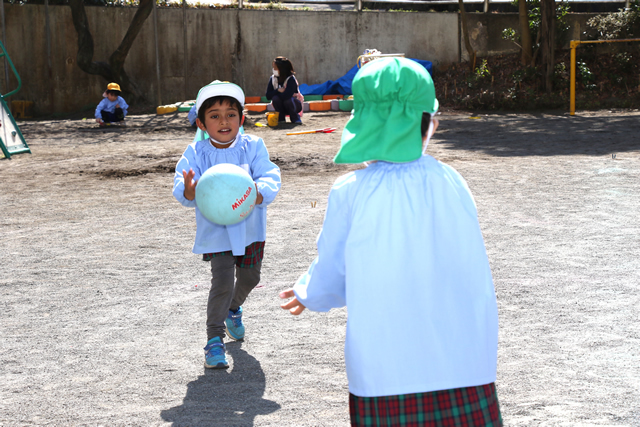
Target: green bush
[(624, 24)]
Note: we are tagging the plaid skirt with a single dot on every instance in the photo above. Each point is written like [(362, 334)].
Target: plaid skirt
[(467, 406)]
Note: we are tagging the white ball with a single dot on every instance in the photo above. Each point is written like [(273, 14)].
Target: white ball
[(226, 194)]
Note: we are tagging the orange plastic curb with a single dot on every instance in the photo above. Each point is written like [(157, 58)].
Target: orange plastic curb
[(320, 105), (325, 97), (259, 108), (252, 100)]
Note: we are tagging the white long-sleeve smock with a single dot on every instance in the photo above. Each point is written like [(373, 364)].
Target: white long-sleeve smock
[(250, 153), (110, 106), (401, 247)]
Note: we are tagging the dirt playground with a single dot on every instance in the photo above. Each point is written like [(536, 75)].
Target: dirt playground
[(102, 303)]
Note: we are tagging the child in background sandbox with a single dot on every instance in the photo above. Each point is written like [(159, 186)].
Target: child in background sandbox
[(401, 247), (112, 108), (282, 90)]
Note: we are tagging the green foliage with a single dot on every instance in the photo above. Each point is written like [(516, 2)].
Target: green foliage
[(535, 16), (276, 6), (618, 25), (586, 76), (525, 75), (482, 72), (510, 35), (624, 61), (560, 75), (480, 76)]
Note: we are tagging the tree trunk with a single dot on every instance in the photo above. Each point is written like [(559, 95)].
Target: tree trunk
[(114, 70), (465, 33), (547, 41), (525, 33)]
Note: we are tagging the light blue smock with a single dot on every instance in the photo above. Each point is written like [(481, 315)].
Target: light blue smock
[(250, 153), (110, 106), (192, 116), (401, 247)]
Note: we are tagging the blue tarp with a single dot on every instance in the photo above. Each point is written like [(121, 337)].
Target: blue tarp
[(342, 86)]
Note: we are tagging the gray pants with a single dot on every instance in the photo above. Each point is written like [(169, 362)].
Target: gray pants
[(224, 295)]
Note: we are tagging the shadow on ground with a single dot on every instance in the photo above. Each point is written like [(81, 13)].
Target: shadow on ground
[(543, 135), (224, 397)]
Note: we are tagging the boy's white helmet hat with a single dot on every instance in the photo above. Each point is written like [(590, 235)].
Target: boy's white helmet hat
[(218, 88)]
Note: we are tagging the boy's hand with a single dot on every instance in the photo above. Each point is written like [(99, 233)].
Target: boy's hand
[(189, 184), (259, 197), (99, 120), (117, 105), (294, 306)]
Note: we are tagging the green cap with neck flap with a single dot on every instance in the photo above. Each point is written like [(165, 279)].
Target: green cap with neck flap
[(390, 95)]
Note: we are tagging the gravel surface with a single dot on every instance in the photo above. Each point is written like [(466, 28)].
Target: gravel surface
[(102, 303)]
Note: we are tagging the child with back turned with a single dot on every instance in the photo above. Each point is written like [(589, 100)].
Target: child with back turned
[(401, 247), (234, 250)]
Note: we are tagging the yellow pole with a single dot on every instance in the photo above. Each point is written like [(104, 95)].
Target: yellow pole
[(572, 88)]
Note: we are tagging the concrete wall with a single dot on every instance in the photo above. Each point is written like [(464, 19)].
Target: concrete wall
[(224, 44)]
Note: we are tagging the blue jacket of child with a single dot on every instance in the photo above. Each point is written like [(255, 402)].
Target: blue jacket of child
[(250, 153), (110, 106), (192, 116)]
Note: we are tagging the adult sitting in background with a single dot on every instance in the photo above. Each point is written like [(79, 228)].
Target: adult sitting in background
[(282, 90)]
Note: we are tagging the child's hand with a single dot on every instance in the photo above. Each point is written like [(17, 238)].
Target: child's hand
[(281, 89), (117, 105), (189, 184), (294, 306), (99, 120), (259, 197)]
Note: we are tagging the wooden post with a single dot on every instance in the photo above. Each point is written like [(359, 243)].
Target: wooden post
[(4, 42), (155, 37), (547, 41), (525, 34), (465, 33), (185, 58), (49, 62)]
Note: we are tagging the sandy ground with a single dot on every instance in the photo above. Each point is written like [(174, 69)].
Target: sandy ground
[(102, 303)]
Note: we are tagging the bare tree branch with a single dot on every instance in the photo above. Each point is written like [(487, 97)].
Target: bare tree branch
[(114, 70)]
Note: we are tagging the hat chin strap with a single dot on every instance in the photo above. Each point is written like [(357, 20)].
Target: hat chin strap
[(426, 142), (224, 143)]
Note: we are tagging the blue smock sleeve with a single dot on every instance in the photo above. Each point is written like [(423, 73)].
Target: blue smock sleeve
[(265, 173), (123, 105), (100, 107), (323, 286), (186, 162), (193, 115)]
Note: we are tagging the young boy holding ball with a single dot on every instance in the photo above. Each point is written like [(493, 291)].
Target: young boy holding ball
[(401, 247), (235, 251)]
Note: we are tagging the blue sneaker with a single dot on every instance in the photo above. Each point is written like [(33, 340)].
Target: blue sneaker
[(235, 328), (214, 354)]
